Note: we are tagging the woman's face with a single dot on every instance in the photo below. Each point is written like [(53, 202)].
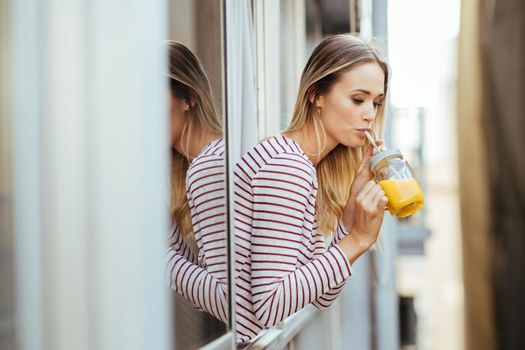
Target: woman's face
[(350, 107), (178, 108)]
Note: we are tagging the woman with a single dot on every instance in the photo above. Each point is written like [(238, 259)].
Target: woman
[(197, 264), (310, 181)]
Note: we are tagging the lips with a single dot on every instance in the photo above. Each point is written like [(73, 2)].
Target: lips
[(362, 131)]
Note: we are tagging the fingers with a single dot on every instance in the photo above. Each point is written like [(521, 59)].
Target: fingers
[(377, 196), (372, 196), (369, 213), (380, 200), (364, 194), (379, 143)]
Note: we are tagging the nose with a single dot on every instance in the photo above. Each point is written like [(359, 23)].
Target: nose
[(369, 114)]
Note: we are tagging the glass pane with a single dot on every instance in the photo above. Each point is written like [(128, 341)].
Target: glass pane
[(293, 208), (198, 254)]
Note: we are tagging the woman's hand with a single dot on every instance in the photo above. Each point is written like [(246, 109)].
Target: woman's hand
[(369, 211), (363, 175)]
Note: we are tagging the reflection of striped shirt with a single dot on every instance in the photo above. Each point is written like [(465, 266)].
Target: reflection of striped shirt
[(203, 279), (282, 263)]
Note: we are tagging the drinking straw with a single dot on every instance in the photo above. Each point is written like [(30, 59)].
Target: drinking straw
[(376, 147)]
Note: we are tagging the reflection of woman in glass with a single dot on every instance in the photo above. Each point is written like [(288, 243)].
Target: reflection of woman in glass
[(311, 180), (197, 263)]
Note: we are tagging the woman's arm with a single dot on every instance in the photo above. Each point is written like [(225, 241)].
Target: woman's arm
[(329, 297), (282, 198), (206, 190), (340, 232), (197, 285), (325, 300), (203, 283), (176, 242)]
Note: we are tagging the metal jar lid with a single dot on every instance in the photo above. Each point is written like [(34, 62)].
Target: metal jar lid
[(389, 153)]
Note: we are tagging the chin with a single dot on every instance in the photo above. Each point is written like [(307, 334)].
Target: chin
[(354, 143)]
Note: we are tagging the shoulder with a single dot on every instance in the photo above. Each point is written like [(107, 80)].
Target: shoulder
[(278, 159), (210, 162)]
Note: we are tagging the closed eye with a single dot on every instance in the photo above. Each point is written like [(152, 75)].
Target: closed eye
[(358, 102)]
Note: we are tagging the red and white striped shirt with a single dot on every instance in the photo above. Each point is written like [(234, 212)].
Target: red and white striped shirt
[(282, 262), (202, 280)]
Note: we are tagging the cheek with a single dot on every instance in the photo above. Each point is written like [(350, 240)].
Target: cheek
[(344, 112), (176, 125)]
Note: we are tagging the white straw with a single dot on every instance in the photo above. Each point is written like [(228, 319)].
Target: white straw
[(376, 147)]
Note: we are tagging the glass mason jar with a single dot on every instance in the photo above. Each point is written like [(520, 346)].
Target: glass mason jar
[(394, 175)]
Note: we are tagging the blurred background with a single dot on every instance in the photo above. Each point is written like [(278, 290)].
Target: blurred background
[(84, 166)]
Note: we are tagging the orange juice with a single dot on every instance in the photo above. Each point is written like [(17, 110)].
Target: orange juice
[(404, 196)]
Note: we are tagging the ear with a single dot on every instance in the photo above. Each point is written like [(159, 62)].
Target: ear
[(319, 101), (175, 103), (190, 103), (312, 97), (316, 100)]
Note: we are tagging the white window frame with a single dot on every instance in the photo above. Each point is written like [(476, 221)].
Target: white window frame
[(88, 123)]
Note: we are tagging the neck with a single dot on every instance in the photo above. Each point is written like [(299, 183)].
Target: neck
[(197, 140), (307, 139)]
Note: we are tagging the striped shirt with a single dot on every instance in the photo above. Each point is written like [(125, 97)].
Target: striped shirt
[(202, 279), (281, 261)]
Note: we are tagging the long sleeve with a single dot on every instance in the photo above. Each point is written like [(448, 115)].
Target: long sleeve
[(186, 278), (197, 285), (202, 280), (207, 200), (328, 298), (340, 232), (178, 245), (282, 196)]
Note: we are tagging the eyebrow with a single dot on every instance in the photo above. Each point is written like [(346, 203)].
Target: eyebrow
[(366, 92)]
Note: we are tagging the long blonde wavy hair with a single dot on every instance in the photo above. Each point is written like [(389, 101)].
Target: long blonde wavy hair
[(188, 82), (334, 56)]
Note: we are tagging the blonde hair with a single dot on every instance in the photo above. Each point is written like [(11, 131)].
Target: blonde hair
[(188, 82), (336, 171)]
